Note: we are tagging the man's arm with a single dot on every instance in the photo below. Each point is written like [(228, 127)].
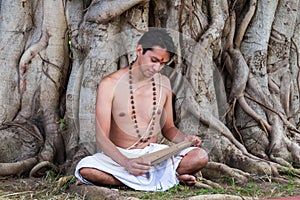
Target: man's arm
[(103, 120), (104, 101)]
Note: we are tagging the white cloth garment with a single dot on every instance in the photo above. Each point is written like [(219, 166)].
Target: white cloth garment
[(160, 177)]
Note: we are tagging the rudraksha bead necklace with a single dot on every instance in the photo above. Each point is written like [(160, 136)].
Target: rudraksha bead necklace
[(133, 110)]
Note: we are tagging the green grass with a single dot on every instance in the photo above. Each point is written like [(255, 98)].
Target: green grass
[(259, 189)]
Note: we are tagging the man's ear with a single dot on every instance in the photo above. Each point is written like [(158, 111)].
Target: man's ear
[(139, 50)]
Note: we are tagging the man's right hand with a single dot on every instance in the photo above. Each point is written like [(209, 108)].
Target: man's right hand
[(137, 166)]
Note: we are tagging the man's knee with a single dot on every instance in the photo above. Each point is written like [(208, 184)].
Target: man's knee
[(193, 161), (203, 157), (200, 158), (85, 172)]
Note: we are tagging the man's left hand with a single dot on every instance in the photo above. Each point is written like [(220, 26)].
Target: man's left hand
[(195, 139)]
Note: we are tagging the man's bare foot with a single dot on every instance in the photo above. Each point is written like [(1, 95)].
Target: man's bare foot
[(187, 179)]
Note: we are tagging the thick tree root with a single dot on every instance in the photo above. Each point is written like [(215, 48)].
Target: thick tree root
[(207, 184), (201, 185), (96, 192), (221, 197), (213, 122), (215, 171), (103, 11), (17, 168), (40, 169)]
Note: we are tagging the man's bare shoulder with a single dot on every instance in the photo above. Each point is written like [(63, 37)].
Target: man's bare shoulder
[(165, 78), (113, 78), (166, 81)]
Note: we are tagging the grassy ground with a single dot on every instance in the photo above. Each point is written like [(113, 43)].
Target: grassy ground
[(252, 189), (51, 187)]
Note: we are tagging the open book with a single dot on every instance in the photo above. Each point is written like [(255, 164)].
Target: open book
[(161, 155)]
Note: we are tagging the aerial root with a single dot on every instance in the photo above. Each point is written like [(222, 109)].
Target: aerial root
[(289, 170), (201, 185), (280, 180), (207, 184), (40, 169), (221, 197), (214, 170), (17, 168), (280, 161), (95, 192)]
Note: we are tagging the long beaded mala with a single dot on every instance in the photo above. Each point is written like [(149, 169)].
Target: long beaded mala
[(133, 111)]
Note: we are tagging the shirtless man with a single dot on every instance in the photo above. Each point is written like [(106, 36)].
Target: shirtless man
[(134, 104)]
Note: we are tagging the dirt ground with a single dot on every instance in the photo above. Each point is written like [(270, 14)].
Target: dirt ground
[(52, 188)]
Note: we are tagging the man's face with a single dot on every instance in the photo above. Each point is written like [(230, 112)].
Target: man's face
[(152, 61)]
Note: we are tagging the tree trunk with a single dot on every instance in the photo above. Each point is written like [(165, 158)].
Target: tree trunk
[(34, 49)]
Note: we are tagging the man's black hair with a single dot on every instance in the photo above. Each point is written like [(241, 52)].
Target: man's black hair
[(157, 37)]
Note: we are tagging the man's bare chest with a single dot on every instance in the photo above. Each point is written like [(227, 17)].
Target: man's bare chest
[(142, 103)]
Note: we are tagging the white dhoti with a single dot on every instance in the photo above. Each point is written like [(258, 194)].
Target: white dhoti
[(161, 177)]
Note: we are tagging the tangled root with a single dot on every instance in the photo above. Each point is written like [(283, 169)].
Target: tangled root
[(40, 169), (17, 168)]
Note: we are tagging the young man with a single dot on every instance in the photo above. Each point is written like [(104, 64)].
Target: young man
[(134, 104)]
